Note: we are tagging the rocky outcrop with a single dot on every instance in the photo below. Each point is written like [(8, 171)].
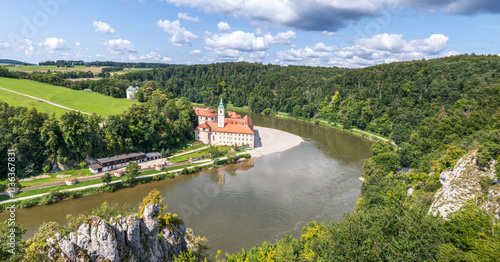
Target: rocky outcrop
[(130, 238), (460, 185), (492, 203)]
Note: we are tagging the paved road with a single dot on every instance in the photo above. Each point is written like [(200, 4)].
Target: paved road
[(113, 182), (46, 101)]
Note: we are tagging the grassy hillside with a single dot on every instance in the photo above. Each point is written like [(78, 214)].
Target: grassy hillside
[(84, 101), (20, 100)]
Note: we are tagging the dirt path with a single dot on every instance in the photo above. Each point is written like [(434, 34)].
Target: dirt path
[(46, 101), (364, 132)]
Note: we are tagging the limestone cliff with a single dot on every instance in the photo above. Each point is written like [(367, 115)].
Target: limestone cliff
[(467, 182), (130, 238)]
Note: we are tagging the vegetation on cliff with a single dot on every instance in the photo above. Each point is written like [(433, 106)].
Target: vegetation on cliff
[(110, 233)]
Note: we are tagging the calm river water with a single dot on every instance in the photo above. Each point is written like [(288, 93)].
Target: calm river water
[(259, 200)]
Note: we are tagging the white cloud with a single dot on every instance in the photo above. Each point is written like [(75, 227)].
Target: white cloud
[(389, 42), (78, 44), (280, 38), (258, 55), (185, 16), (231, 45), (119, 46), (103, 28), (382, 48), (316, 15), (223, 27), (195, 52), (30, 50), (180, 36), (302, 54), (237, 40), (155, 57), (227, 54), (327, 33), (434, 44), (100, 55), (4, 45), (327, 15), (54, 44), (322, 47)]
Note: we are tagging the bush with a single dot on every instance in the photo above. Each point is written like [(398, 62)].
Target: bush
[(159, 177), (106, 178)]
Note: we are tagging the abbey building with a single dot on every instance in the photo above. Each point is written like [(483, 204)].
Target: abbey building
[(216, 129)]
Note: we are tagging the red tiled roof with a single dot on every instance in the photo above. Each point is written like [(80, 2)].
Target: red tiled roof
[(204, 125), (239, 126), (204, 111), (232, 114)]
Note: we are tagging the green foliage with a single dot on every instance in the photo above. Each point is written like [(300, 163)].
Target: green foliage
[(231, 155), (106, 211), (11, 243), (388, 162), (106, 178), (53, 196), (36, 246), (40, 140), (266, 111), (449, 159), (381, 146)]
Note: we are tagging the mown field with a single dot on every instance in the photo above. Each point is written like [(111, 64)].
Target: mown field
[(80, 100), (20, 100)]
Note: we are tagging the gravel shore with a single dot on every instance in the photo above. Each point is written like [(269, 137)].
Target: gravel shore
[(269, 141)]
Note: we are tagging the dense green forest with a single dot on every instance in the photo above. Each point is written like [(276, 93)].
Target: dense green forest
[(40, 140), (422, 105), (435, 111)]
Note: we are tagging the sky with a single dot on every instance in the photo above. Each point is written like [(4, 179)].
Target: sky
[(343, 33)]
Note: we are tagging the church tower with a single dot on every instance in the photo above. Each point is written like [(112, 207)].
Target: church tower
[(221, 115)]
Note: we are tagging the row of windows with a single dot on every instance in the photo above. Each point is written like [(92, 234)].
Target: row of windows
[(244, 139), (206, 118)]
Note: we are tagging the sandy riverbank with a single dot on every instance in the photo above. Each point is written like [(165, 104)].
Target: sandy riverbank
[(273, 141)]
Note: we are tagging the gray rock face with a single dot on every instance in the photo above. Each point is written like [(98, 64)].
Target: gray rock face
[(123, 239), (461, 184)]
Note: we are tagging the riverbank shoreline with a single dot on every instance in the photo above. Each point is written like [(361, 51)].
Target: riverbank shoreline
[(268, 141)]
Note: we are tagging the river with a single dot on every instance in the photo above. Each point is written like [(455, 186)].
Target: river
[(262, 199)]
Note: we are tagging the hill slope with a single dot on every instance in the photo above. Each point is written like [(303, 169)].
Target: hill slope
[(80, 100), (12, 62)]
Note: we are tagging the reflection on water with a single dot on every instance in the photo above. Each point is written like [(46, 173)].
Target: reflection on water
[(244, 204)]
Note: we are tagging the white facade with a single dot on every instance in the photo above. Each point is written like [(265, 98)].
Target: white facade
[(228, 139), (220, 115), (131, 92)]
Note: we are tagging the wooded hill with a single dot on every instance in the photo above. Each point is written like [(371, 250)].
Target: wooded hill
[(40, 140), (422, 105), (435, 110)]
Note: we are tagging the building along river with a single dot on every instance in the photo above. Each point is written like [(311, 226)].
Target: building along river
[(261, 199)]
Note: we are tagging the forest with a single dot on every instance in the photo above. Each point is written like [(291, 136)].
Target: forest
[(435, 110), (41, 140)]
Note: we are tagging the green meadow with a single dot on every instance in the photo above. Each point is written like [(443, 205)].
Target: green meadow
[(89, 102), (20, 100)]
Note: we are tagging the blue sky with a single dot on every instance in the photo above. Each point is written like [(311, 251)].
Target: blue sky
[(345, 33)]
